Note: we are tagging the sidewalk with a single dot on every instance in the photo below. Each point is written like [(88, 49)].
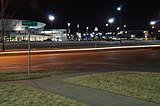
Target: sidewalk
[(86, 95)]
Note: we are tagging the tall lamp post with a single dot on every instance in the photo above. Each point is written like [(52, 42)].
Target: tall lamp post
[(87, 30), (111, 21), (152, 23), (87, 33), (68, 30), (106, 29), (119, 9), (51, 18)]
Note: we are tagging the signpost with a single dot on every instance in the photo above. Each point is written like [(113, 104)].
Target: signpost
[(29, 24)]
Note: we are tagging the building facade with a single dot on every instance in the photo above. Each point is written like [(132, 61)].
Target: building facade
[(16, 30)]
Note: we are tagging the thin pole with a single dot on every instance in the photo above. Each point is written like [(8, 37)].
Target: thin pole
[(120, 26), (28, 53)]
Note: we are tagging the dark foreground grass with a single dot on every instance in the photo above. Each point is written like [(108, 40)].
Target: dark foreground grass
[(21, 75), (17, 95), (144, 86)]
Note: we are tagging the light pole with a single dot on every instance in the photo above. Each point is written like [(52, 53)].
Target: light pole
[(69, 30), (106, 29), (87, 30), (95, 36), (69, 24), (119, 9), (152, 23), (2, 19), (78, 27), (107, 25), (111, 21), (51, 18), (78, 32), (87, 33)]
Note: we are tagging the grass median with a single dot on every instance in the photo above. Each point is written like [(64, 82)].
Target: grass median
[(16, 95), (140, 85)]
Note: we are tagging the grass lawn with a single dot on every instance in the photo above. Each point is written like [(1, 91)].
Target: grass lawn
[(19, 75), (140, 85), (17, 95)]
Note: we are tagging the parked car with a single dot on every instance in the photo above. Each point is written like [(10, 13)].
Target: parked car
[(48, 40)]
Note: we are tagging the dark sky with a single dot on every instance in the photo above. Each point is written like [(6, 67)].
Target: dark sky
[(136, 14)]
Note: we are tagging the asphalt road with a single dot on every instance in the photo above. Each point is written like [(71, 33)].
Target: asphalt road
[(116, 60)]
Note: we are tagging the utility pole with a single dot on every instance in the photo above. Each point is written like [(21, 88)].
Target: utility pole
[(2, 19)]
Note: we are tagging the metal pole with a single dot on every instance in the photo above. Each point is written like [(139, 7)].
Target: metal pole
[(2, 18), (120, 29), (29, 53)]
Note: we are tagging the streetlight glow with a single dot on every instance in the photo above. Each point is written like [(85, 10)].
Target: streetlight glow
[(96, 29), (77, 25), (69, 24), (153, 22), (107, 25), (51, 17), (87, 28), (111, 20), (119, 9)]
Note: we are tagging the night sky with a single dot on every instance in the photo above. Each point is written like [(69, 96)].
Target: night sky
[(136, 14)]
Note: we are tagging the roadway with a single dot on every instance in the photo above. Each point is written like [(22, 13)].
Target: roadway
[(104, 60)]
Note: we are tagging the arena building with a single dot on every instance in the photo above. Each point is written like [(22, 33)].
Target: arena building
[(17, 30)]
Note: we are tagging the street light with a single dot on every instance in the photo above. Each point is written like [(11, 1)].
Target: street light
[(51, 18), (117, 28), (69, 24), (118, 8), (106, 30), (111, 20), (69, 31), (78, 26), (107, 25), (87, 30), (152, 23)]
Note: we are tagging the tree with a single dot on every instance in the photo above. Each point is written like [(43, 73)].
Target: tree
[(6, 25)]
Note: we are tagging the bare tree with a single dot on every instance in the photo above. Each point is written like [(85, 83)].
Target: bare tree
[(6, 25), (2, 24)]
